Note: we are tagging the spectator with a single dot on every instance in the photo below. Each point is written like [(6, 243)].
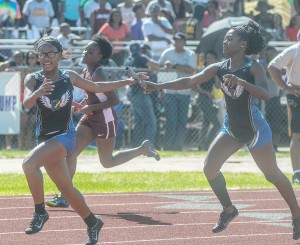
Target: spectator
[(289, 59), (143, 108), (292, 29), (38, 14), (127, 12), (116, 30), (212, 13), (66, 38), (27, 120), (87, 7), (155, 95), (158, 31), (183, 62), (182, 9), (99, 16), (162, 5), (264, 18), (209, 110), (10, 15), (136, 27), (193, 28), (278, 32), (274, 113), (70, 12), (56, 5)]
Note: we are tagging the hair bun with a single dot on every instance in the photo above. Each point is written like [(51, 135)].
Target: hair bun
[(254, 25)]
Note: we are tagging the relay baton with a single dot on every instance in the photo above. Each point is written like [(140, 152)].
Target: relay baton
[(136, 76)]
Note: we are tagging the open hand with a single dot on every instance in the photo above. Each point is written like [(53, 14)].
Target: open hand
[(46, 88)]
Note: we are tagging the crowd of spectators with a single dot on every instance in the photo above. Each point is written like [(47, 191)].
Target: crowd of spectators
[(159, 23)]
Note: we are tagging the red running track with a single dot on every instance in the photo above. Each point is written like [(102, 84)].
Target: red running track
[(164, 218)]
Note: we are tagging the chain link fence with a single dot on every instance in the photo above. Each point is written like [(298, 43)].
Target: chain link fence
[(133, 129)]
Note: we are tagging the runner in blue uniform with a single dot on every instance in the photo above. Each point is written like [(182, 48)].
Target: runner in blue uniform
[(243, 82), (50, 91)]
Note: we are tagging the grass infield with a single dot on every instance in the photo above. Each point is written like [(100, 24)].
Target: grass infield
[(15, 184)]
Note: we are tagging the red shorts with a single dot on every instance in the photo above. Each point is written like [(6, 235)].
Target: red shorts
[(100, 130)]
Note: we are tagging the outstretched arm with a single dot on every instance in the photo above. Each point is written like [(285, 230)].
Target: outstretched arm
[(98, 87), (187, 82), (112, 97)]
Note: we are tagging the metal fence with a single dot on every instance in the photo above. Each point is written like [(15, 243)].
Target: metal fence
[(129, 134)]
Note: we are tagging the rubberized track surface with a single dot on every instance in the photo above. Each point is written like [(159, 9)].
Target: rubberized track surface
[(164, 218)]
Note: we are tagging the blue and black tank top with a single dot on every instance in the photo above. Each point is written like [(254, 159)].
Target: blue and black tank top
[(54, 110), (240, 104)]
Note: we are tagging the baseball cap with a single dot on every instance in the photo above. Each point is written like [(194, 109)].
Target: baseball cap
[(134, 48), (179, 35)]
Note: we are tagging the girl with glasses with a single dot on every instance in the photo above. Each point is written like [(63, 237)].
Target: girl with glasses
[(50, 91)]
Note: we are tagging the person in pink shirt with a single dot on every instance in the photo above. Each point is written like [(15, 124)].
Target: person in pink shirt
[(292, 29), (212, 13), (116, 30)]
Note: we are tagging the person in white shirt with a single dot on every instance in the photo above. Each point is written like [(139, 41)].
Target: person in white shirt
[(162, 4), (126, 9), (182, 61), (38, 14), (290, 60), (158, 31), (66, 38)]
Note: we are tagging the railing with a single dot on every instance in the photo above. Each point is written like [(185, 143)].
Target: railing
[(27, 44)]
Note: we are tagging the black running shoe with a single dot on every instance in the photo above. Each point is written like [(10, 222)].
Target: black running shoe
[(296, 229), (37, 223), (224, 220), (296, 178), (93, 232)]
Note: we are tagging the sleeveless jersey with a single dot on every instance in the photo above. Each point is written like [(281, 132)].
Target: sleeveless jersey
[(54, 110), (241, 106), (101, 116)]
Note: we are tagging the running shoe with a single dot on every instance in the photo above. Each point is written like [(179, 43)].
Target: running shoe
[(37, 223), (58, 201), (93, 232), (224, 220), (152, 152), (296, 229), (296, 178)]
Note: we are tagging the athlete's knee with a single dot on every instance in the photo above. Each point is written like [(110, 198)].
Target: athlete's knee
[(27, 165), (272, 177), (209, 170)]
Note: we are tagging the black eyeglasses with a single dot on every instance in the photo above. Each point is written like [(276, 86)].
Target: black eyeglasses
[(50, 55)]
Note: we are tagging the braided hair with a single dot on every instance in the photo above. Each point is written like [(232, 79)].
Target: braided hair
[(251, 33), (104, 46), (47, 39)]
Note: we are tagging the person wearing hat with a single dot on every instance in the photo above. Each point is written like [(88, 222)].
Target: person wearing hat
[(289, 59), (158, 31), (181, 61), (264, 18), (143, 108)]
